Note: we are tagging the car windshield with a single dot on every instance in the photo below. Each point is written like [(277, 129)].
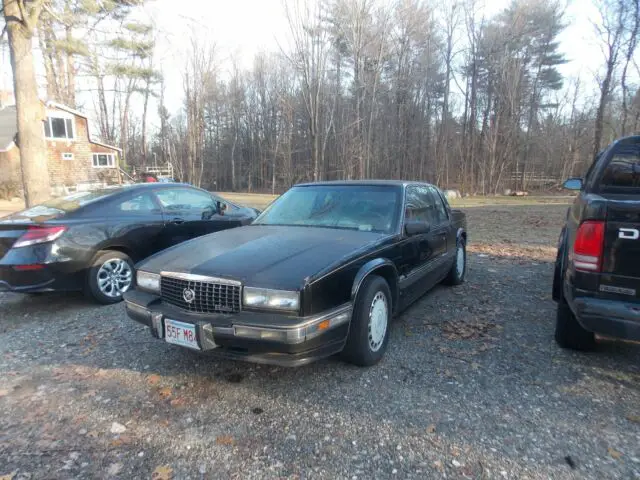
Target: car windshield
[(370, 208)]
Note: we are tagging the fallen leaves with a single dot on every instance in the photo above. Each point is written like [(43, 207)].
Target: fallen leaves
[(3, 392), (178, 402), (165, 393), (163, 472), (121, 440), (615, 454), (225, 440), (634, 418), (153, 379), (460, 330), (8, 476), (431, 428)]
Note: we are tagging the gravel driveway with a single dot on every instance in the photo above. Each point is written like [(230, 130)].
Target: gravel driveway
[(472, 386)]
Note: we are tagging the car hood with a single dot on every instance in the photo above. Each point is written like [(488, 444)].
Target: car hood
[(264, 256)]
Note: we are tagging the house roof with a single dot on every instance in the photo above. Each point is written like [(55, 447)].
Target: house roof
[(8, 127)]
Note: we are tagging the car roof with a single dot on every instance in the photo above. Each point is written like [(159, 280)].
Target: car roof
[(373, 182), (134, 187)]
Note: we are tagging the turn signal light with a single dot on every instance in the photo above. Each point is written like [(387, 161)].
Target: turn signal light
[(588, 246), (39, 234)]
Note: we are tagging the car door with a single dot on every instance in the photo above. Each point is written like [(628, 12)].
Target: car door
[(422, 252), (443, 238), (138, 223), (189, 213)]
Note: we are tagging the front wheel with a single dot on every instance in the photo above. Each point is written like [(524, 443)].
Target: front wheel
[(459, 268), (110, 275), (369, 329)]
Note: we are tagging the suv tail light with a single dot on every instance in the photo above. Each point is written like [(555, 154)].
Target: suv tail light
[(588, 246), (35, 235)]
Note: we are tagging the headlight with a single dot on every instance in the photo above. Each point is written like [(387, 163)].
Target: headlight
[(148, 281), (266, 298)]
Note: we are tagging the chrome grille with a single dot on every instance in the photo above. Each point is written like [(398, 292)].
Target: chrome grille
[(209, 296)]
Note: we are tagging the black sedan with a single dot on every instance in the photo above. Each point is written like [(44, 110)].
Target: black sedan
[(90, 240), (322, 270)]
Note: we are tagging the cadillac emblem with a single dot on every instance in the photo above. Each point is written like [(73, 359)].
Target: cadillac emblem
[(188, 295)]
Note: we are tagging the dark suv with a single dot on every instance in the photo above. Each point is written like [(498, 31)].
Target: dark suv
[(597, 274)]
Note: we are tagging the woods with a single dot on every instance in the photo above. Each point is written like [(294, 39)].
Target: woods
[(434, 91), (431, 90)]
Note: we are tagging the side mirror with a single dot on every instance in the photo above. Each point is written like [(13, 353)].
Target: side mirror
[(573, 184), (416, 227), (220, 207)]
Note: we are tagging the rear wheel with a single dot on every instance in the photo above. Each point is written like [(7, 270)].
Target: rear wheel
[(369, 329), (569, 333), (110, 275)]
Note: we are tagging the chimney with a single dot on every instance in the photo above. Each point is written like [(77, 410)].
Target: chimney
[(6, 98)]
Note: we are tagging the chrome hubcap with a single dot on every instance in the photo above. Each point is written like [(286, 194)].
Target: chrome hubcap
[(114, 277), (460, 261), (378, 316)]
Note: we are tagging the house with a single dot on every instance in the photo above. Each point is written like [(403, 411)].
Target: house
[(76, 160)]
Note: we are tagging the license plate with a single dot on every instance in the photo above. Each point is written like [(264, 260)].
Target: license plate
[(180, 333)]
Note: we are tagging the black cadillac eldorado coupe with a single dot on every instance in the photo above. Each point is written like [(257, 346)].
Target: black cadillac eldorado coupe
[(321, 271)]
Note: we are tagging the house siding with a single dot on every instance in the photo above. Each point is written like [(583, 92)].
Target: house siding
[(66, 173)]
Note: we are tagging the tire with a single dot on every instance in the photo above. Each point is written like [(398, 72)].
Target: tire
[(569, 333), (458, 272), (104, 288), (370, 323)]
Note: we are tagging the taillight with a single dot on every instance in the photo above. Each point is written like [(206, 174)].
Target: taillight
[(35, 235), (588, 246)]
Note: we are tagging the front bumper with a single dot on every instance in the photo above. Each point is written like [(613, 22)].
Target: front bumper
[(611, 318), (269, 338)]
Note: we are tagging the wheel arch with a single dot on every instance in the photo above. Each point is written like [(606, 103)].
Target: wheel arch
[(116, 248), (461, 234), (383, 267)]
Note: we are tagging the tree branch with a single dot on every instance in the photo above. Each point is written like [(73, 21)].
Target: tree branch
[(30, 19)]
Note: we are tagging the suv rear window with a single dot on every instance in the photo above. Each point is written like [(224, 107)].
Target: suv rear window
[(623, 172)]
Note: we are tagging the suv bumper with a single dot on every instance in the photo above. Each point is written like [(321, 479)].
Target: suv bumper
[(610, 318), (268, 338)]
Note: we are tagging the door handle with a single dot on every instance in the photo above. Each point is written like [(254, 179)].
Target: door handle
[(177, 221)]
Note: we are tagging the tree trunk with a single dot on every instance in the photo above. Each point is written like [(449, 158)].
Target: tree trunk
[(144, 124), (30, 112), (70, 93)]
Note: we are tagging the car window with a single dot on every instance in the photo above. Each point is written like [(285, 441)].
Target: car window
[(420, 205), (440, 211), (623, 171), (369, 208), (140, 204), (173, 199)]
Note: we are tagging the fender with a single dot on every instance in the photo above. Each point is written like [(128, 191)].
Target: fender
[(372, 266)]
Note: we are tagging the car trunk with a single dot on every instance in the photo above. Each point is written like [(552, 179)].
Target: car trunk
[(14, 226), (620, 268)]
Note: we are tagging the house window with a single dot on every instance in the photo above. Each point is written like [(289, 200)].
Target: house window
[(103, 160), (67, 156), (58, 127)]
